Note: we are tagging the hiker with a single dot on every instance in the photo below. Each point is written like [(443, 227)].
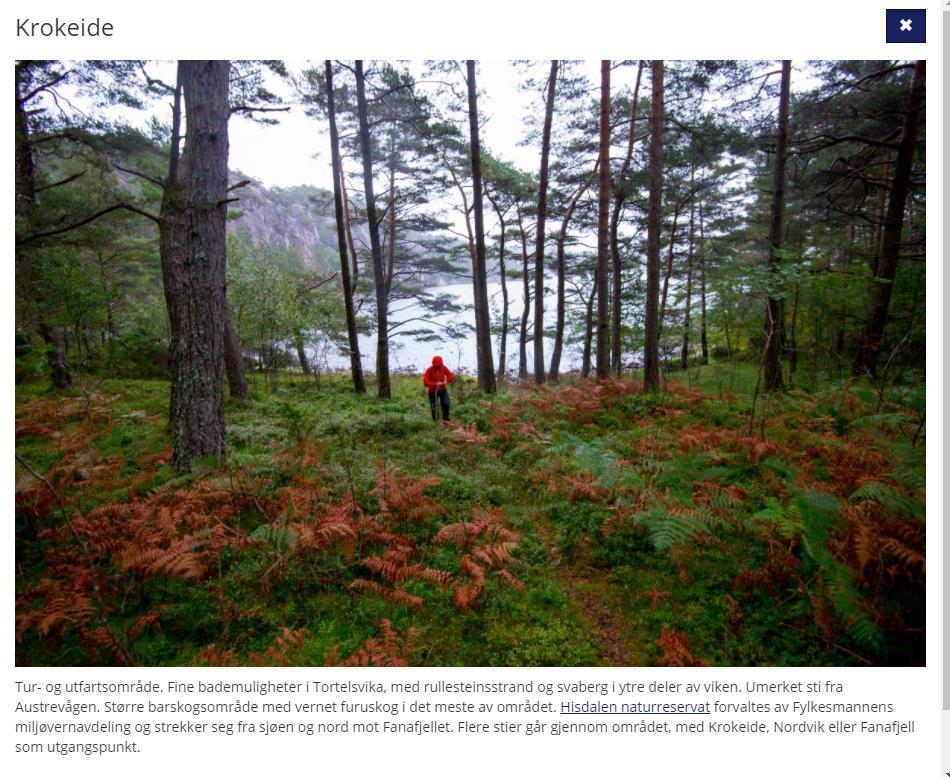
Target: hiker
[(437, 378)]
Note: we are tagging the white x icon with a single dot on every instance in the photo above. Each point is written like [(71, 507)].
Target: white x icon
[(906, 25)]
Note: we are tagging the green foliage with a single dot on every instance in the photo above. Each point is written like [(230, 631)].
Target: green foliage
[(592, 457), (668, 529), (673, 525), (819, 514), (892, 499)]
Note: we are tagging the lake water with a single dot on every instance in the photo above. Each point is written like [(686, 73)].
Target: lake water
[(409, 354)]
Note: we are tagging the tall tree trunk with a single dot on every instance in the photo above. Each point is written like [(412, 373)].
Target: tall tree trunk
[(837, 348), (25, 180), (793, 335), (391, 214), (343, 238), (301, 353), (703, 341), (107, 295), (347, 219), (108, 337), (526, 293), (193, 253), (668, 274), (554, 374), (651, 351), (486, 366), (620, 195), (83, 337), (234, 361), (773, 306), (603, 229), (25, 196), (379, 275), (59, 370), (684, 355), (866, 361), (877, 234), (588, 329), (539, 233), (503, 337)]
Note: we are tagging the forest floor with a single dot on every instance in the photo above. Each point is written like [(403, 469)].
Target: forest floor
[(577, 524)]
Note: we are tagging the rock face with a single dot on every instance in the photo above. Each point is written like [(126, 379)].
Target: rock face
[(301, 220), (298, 218)]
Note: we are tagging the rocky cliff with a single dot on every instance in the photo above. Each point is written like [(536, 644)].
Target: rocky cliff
[(298, 218)]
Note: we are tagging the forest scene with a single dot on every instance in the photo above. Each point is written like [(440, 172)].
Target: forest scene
[(470, 363)]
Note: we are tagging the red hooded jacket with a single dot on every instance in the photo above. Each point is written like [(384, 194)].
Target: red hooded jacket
[(437, 374)]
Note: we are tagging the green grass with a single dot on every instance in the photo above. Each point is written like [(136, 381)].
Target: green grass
[(707, 539)]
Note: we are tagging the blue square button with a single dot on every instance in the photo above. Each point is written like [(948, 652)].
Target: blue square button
[(906, 25)]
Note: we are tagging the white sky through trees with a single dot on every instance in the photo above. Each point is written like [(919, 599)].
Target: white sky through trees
[(295, 151)]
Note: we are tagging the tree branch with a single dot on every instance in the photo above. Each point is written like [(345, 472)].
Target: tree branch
[(89, 219), (317, 284), (258, 109), (150, 82), (834, 140), (65, 181), (42, 87), (157, 181)]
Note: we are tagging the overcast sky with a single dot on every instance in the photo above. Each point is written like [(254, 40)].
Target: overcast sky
[(297, 150)]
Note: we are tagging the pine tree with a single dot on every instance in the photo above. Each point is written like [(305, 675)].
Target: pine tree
[(651, 356)]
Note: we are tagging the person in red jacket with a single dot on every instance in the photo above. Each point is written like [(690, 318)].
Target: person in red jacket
[(437, 378)]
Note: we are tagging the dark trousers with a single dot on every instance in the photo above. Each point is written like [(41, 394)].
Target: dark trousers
[(443, 400)]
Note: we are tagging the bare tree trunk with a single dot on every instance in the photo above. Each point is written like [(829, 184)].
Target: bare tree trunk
[(83, 337), (539, 233), (651, 355), (192, 242), (603, 230), (343, 237), (486, 366), (234, 361), (25, 208), (704, 344), (773, 307), (669, 268), (554, 374), (684, 355), (301, 353), (347, 221), (503, 338), (391, 214), (620, 195), (59, 370), (877, 234), (523, 334), (588, 329), (793, 335), (107, 295), (25, 181), (467, 215), (382, 302), (108, 337), (866, 361), (837, 348)]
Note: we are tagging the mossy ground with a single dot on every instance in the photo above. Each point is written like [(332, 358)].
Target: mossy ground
[(653, 529)]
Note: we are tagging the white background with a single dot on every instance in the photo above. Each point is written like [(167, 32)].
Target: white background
[(807, 29)]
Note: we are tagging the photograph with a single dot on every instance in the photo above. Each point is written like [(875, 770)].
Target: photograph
[(470, 363)]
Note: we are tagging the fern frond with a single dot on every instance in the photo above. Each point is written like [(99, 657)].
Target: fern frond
[(389, 649), (893, 500), (676, 650)]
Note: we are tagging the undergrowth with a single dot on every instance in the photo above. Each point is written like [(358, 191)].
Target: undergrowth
[(344, 530)]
